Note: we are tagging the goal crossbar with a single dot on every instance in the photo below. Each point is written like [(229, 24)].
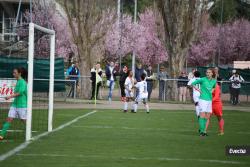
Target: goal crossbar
[(51, 33)]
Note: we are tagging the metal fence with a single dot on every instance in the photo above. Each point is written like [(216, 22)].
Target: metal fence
[(159, 92), (68, 89), (72, 90), (225, 90)]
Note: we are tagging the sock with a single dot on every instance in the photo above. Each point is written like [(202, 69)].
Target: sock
[(207, 124), (125, 105), (221, 125), (6, 126), (147, 107), (135, 107), (201, 125), (204, 124)]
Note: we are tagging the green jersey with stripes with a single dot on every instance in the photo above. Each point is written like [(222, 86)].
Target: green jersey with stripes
[(206, 87), (21, 100)]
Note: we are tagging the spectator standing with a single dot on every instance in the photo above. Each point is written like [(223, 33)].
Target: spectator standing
[(138, 72), (96, 80), (216, 73), (182, 86), (191, 74), (162, 84), (73, 73), (111, 74), (236, 81), (123, 76), (117, 67), (150, 81)]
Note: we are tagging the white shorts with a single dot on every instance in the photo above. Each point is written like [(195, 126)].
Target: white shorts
[(129, 94), (205, 106), (142, 98), (196, 98), (20, 113)]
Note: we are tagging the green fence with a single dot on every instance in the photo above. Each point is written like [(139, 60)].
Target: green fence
[(41, 71), (225, 74)]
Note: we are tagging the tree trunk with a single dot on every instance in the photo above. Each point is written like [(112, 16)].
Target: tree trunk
[(85, 64), (182, 22), (84, 83), (88, 22), (177, 61)]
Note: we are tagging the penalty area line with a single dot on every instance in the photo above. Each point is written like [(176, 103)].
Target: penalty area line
[(25, 144)]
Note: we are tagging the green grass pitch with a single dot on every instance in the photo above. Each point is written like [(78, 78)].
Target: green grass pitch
[(110, 138)]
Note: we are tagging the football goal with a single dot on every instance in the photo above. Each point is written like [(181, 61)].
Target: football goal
[(34, 31)]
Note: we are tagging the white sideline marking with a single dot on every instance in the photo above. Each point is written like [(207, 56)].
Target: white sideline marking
[(17, 130), (25, 144), (134, 158)]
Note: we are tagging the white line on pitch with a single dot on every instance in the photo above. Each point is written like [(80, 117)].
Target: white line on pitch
[(25, 144), (135, 158), (17, 130)]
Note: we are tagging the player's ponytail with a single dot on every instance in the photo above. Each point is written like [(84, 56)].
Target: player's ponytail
[(23, 72)]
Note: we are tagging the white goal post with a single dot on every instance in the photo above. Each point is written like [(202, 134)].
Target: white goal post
[(51, 33)]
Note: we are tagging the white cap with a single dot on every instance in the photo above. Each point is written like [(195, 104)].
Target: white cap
[(233, 71)]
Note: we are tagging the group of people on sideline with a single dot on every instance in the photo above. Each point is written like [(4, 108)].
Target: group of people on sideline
[(112, 71)]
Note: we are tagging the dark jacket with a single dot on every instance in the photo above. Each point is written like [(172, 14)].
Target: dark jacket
[(73, 72), (93, 75), (123, 77), (182, 83), (138, 73), (149, 73), (108, 73)]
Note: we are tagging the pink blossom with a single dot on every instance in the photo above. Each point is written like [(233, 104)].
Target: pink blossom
[(233, 40), (141, 37), (47, 16)]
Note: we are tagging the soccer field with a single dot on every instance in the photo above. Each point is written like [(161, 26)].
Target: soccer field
[(110, 138)]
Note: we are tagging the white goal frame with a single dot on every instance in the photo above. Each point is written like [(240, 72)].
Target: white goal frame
[(51, 33)]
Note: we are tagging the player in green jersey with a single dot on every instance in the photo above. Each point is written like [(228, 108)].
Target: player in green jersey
[(18, 107), (207, 85)]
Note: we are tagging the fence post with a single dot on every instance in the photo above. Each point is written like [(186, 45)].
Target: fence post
[(75, 89), (164, 95)]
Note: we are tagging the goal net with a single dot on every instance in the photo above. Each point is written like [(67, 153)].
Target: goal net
[(37, 56)]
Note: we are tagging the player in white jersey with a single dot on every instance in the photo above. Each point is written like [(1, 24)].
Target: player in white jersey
[(196, 92), (143, 93), (129, 85)]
